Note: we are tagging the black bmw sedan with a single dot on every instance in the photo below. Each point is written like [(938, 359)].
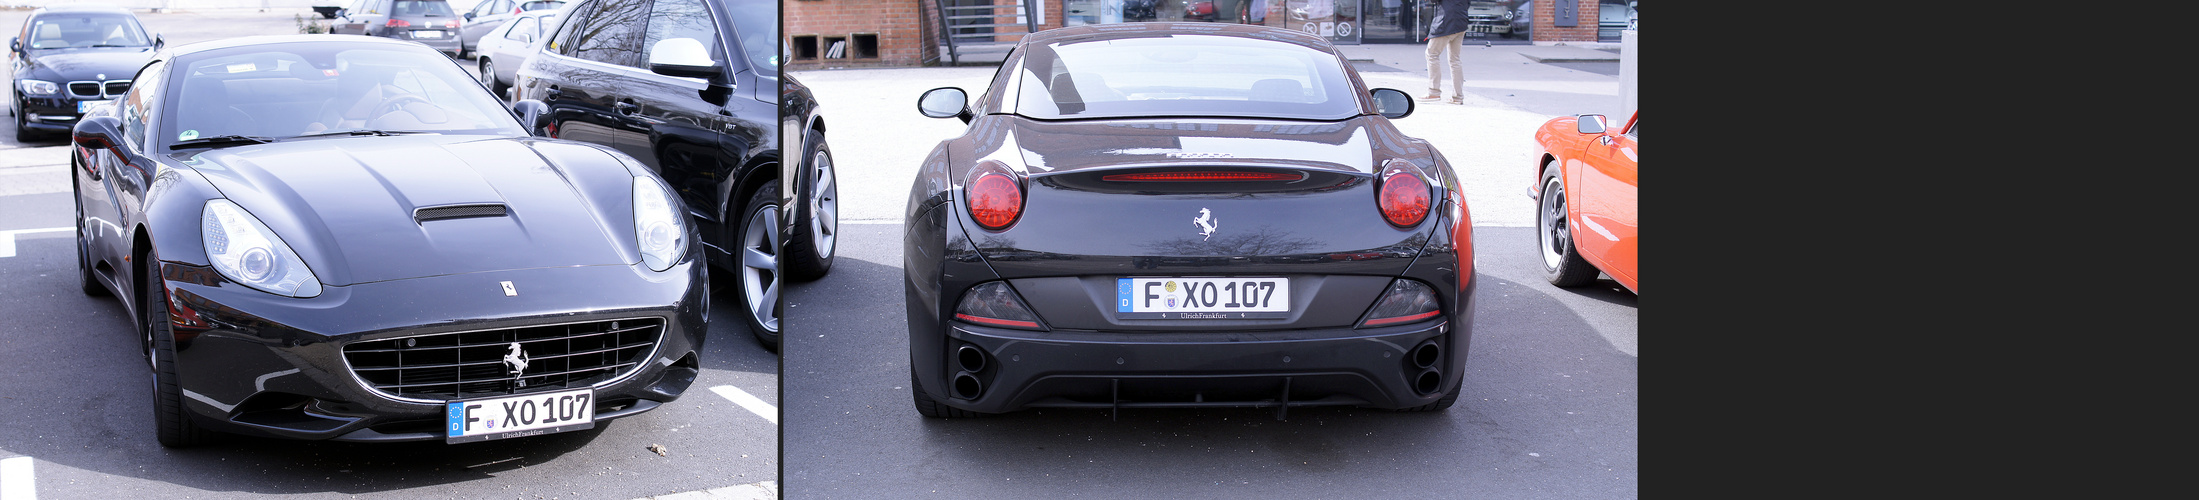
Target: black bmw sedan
[(1183, 215), (347, 238), (67, 58)]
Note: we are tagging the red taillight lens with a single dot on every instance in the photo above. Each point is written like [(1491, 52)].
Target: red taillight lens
[(995, 198), (1404, 197), (1202, 176), (995, 304), (451, 23), (397, 23), (1406, 301)]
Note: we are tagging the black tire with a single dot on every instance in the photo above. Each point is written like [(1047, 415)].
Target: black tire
[(171, 424), (1561, 261), (816, 225), (756, 261), (84, 277), (929, 407), (23, 133)]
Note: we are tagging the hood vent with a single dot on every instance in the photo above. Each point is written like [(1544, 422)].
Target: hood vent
[(424, 214)]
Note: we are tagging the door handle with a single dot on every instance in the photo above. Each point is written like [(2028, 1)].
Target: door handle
[(552, 93), (626, 108)]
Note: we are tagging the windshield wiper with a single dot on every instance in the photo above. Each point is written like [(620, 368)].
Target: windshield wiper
[(357, 133), (221, 141)]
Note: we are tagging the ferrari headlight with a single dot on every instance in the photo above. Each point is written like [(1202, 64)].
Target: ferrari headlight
[(658, 227), (246, 252), (40, 87)]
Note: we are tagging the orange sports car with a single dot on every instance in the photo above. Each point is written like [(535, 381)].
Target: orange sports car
[(1585, 184)]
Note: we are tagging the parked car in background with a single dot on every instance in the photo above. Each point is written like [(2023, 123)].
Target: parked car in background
[(1165, 215), (1611, 18), (491, 14), (1586, 179), (321, 238), (503, 49), (1523, 20), (692, 89), (427, 22), (1488, 17), (67, 58)]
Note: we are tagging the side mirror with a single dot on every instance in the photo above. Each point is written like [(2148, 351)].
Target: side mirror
[(945, 102), (528, 38), (1392, 103), (469, 16), (158, 42), (97, 132), (15, 44), (1589, 124), (533, 114), (684, 57)]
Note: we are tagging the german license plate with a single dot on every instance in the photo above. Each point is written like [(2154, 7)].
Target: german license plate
[(83, 107), (1202, 298), (427, 34), (520, 416)]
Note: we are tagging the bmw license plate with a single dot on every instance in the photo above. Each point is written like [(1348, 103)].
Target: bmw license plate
[(427, 34), (520, 416), (1202, 298), (83, 107)]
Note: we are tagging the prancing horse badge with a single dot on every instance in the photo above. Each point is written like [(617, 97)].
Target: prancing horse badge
[(1206, 223)]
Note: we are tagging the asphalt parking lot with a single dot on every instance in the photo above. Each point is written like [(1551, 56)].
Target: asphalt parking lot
[(73, 388)]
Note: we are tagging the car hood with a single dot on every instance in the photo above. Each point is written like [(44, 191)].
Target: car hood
[(88, 64), (1054, 147), (347, 205)]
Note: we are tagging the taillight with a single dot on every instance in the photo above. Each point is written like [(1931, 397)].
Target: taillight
[(995, 304), (451, 23), (397, 23), (1406, 301), (995, 196), (1202, 176), (1403, 196)]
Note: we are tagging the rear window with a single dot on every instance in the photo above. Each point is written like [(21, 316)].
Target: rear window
[(526, 6), (1183, 75), (422, 8)]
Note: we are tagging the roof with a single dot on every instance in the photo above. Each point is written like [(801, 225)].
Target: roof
[(1164, 29), (192, 48), (78, 7)]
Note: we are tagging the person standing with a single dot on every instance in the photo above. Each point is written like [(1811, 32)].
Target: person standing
[(1445, 32)]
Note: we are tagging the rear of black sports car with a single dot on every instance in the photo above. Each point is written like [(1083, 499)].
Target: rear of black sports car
[(1186, 263)]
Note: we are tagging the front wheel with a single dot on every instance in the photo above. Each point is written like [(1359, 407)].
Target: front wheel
[(86, 280), (172, 423), (759, 264), (1561, 261), (816, 214)]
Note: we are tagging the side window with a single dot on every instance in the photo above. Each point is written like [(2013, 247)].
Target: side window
[(576, 21), (137, 105), (524, 26), (612, 34), (674, 19)]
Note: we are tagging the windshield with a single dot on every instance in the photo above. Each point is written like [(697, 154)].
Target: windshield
[(1183, 75), (421, 8), (299, 89), (758, 23), (55, 31)]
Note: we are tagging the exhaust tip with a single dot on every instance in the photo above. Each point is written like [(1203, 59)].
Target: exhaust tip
[(1428, 382), (971, 358), (966, 386), (1426, 354)]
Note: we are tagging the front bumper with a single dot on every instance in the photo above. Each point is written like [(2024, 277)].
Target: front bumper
[(258, 364), (51, 114), (1364, 367)]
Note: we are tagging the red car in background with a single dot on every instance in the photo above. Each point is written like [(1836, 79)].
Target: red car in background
[(1585, 189)]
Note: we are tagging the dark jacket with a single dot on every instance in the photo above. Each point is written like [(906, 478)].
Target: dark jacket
[(1450, 17)]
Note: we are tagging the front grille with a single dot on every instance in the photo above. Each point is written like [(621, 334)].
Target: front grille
[(475, 364), (87, 89)]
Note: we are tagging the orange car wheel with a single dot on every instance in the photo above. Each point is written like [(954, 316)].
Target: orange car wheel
[(1561, 262)]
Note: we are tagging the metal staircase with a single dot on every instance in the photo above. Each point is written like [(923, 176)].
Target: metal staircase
[(972, 28)]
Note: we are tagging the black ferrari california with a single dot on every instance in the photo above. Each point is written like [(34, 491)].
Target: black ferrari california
[(1183, 215), (347, 238)]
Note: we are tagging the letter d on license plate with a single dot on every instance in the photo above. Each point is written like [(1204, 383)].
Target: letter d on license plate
[(520, 416)]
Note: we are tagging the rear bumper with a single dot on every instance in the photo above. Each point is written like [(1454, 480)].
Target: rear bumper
[(1024, 369)]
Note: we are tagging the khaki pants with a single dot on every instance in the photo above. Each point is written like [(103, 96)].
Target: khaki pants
[(1436, 47)]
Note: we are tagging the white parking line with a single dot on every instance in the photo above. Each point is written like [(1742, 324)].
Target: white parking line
[(7, 238), (15, 478), (757, 406)]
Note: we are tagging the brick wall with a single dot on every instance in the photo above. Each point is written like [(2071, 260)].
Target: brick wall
[(902, 30), (1546, 22)]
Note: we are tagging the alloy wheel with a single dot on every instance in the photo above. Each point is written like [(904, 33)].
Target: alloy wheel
[(824, 205), (760, 266)]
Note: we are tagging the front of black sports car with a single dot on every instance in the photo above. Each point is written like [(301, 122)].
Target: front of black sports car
[(1184, 216), (71, 60), (419, 270)]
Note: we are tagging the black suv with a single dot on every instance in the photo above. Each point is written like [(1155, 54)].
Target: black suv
[(68, 57), (691, 88)]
